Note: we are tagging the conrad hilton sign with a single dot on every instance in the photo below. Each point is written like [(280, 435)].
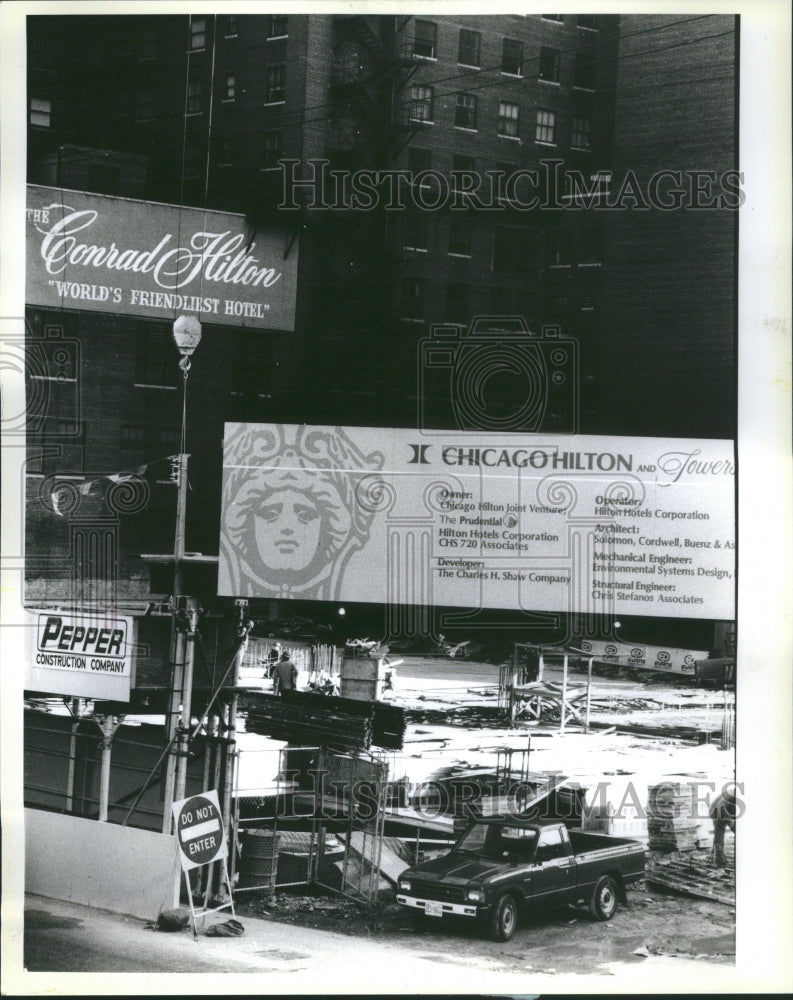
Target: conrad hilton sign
[(93, 252)]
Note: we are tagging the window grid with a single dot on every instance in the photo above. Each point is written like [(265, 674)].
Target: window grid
[(40, 112), (425, 40), (465, 111), (508, 119), (468, 49), (278, 26), (546, 125), (198, 33), (412, 306), (276, 84), (550, 62), (195, 95), (272, 152), (156, 359), (421, 101), (582, 133), (584, 73), (459, 236), (512, 57)]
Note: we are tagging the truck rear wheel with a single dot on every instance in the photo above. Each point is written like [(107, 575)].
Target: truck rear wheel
[(503, 920), (603, 903)]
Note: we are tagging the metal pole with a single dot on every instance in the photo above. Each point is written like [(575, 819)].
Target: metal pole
[(104, 780), (187, 707), (588, 689), (178, 646), (564, 691)]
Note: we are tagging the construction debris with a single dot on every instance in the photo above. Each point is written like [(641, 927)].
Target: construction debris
[(693, 876)]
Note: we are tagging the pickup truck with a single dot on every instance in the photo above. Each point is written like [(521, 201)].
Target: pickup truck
[(502, 865)]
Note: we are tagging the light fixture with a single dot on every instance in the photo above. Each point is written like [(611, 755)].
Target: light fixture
[(186, 336)]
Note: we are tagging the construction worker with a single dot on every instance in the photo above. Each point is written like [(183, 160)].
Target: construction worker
[(722, 811), (285, 675)]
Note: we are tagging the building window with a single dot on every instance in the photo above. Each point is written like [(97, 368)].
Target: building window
[(508, 119), (559, 250), (462, 164), (590, 247), (582, 133), (546, 124), (550, 63), (156, 361), (165, 442), (421, 104), (588, 21), (460, 236), (277, 28), (225, 155), (231, 25), (415, 231), (513, 251), (412, 302), (457, 303), (198, 33), (195, 96), (148, 44), (230, 87), (419, 159), (465, 111), (145, 105), (468, 49), (584, 74), (273, 150), (512, 57), (276, 84), (132, 448), (426, 40), (40, 112)]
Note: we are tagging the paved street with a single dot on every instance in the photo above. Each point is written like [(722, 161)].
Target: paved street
[(64, 938)]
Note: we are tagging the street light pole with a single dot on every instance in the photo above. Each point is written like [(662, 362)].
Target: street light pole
[(187, 336)]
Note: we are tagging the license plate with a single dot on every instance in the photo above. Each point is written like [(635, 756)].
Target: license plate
[(433, 909)]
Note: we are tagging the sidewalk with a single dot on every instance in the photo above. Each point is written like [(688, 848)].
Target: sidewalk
[(63, 940)]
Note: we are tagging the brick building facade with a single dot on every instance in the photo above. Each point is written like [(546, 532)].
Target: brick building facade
[(199, 111)]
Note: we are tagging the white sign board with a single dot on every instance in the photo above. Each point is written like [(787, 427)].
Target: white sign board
[(199, 829), (81, 655), (601, 525), (667, 660), (139, 258)]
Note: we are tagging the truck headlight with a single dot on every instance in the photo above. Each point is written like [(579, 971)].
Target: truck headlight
[(404, 885), (475, 895)]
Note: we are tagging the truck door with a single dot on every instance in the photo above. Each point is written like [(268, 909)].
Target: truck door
[(553, 875)]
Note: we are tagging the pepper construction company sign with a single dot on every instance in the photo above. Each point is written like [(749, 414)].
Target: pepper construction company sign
[(601, 525), (80, 655), (88, 251)]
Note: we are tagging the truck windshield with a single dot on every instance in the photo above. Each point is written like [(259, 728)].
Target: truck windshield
[(492, 840)]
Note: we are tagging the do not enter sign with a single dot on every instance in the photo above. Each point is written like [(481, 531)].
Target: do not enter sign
[(199, 829)]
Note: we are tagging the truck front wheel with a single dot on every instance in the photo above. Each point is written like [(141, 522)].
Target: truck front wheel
[(504, 918), (603, 903)]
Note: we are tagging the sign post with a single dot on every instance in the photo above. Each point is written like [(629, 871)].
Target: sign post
[(199, 831)]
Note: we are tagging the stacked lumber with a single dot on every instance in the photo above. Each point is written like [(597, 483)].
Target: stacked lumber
[(388, 726), (317, 720), (671, 818)]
